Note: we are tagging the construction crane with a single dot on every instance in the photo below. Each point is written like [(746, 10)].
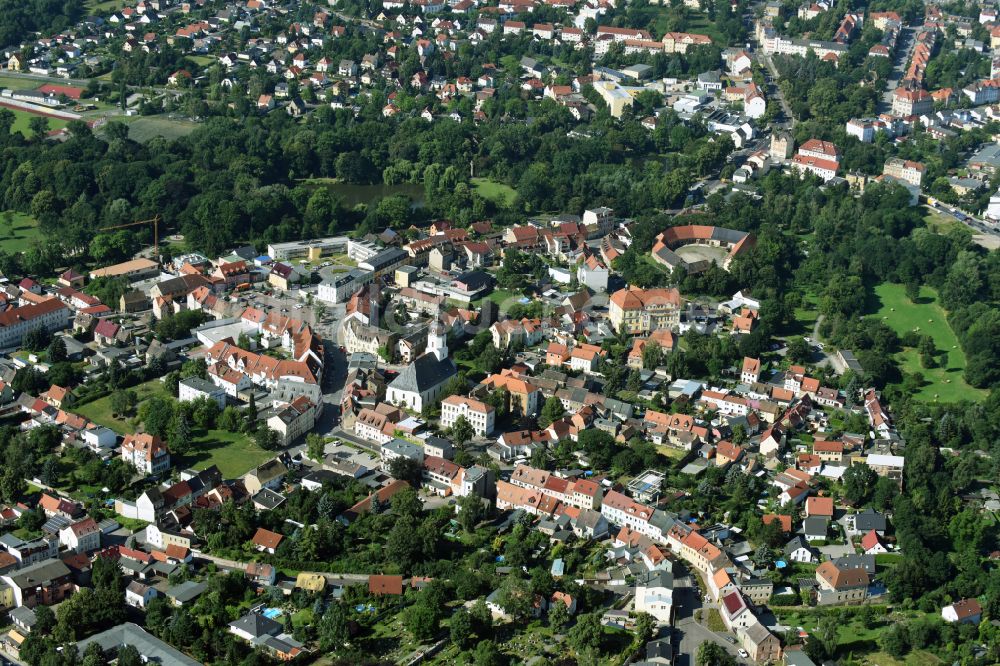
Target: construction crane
[(155, 221)]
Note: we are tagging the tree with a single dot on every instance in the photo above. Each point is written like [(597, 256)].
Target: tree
[(461, 431), (422, 621), (713, 654), (267, 438), (315, 447), (122, 402), (859, 483), (128, 655), (645, 626), (460, 630), (407, 503), (799, 350), (39, 126), (407, 470), (470, 512), (230, 419), (180, 434), (552, 410), (487, 654), (652, 356), (403, 546), (558, 615), (516, 598), (56, 351), (332, 628), (587, 633)]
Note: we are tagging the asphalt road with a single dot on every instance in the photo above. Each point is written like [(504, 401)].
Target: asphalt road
[(689, 634), (904, 49)]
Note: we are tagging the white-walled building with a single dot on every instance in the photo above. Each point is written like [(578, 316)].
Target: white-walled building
[(480, 415)]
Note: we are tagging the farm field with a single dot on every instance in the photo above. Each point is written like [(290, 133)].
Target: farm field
[(18, 231), (944, 383)]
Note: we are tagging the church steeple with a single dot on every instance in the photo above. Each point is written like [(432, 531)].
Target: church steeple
[(437, 341)]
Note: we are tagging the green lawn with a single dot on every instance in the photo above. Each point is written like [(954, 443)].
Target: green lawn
[(699, 24), (233, 452), (18, 231), (23, 118), (807, 314), (501, 296), (498, 193), (16, 83), (202, 61), (99, 411), (941, 222), (944, 383)]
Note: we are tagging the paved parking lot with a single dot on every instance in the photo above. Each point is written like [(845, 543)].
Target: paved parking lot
[(690, 635)]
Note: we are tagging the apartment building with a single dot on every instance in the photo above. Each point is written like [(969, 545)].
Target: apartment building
[(480, 415)]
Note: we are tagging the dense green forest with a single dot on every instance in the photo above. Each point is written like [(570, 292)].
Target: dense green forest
[(20, 18)]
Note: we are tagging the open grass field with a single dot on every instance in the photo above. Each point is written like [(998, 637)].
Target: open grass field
[(99, 411), (498, 193), (944, 383), (234, 453), (18, 231), (104, 5), (17, 83), (23, 118), (202, 61), (144, 128), (699, 24), (941, 222)]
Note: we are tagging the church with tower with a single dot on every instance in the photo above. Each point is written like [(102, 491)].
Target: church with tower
[(422, 382)]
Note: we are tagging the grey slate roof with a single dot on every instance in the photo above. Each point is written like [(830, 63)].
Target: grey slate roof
[(424, 373), (186, 591), (150, 647), (257, 625), (869, 519)]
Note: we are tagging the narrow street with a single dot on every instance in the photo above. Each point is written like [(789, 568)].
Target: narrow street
[(904, 49), (350, 579)]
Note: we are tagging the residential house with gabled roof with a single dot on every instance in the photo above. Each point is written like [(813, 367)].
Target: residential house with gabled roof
[(82, 536), (266, 541), (841, 585), (146, 452)]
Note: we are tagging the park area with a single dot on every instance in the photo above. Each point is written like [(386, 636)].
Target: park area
[(944, 383), (498, 193), (18, 231), (233, 453)]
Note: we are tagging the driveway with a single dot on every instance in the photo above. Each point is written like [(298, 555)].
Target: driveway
[(836, 550)]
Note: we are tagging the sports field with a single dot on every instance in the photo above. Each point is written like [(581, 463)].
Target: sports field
[(22, 119)]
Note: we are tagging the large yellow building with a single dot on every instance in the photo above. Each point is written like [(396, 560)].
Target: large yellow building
[(640, 311)]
